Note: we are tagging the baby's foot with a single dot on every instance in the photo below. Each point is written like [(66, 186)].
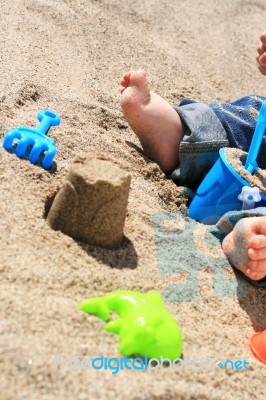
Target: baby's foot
[(155, 122), (245, 247)]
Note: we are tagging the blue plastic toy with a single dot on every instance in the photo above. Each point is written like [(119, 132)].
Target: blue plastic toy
[(249, 197), (220, 191), (35, 140), (251, 162)]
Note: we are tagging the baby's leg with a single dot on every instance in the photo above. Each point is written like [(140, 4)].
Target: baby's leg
[(248, 234), (155, 122)]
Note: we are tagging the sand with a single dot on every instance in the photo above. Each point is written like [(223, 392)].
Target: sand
[(91, 205), (237, 158), (68, 56)]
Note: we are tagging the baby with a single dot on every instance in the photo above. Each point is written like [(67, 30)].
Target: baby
[(184, 141)]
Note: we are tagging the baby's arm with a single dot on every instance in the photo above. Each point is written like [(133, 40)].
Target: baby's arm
[(261, 56)]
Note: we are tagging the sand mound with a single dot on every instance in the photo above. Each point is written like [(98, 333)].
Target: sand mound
[(237, 159), (91, 205)]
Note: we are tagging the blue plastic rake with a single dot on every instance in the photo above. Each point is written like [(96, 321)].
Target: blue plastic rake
[(34, 141)]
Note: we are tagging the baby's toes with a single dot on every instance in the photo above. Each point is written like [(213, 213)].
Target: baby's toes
[(126, 79)]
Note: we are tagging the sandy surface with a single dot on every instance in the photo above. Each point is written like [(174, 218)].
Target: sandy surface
[(68, 56), (237, 158)]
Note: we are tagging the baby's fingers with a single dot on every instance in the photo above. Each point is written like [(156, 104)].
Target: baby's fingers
[(261, 54), (263, 38), (257, 254), (262, 60), (257, 266), (257, 242), (256, 270), (262, 70), (260, 50), (256, 276)]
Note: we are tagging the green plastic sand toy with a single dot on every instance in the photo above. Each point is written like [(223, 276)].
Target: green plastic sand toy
[(144, 326)]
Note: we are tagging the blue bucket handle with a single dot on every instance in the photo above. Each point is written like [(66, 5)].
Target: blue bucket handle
[(251, 162)]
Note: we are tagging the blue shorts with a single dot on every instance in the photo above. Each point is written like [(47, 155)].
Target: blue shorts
[(211, 127)]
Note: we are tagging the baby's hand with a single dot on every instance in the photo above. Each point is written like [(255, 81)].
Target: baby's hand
[(261, 57), (245, 247)]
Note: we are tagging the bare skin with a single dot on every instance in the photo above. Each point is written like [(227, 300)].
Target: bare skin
[(160, 131), (251, 233), (261, 54), (155, 122)]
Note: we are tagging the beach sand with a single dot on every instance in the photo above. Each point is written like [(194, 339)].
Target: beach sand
[(237, 158), (69, 56)]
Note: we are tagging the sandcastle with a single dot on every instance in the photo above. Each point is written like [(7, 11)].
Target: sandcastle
[(91, 204)]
